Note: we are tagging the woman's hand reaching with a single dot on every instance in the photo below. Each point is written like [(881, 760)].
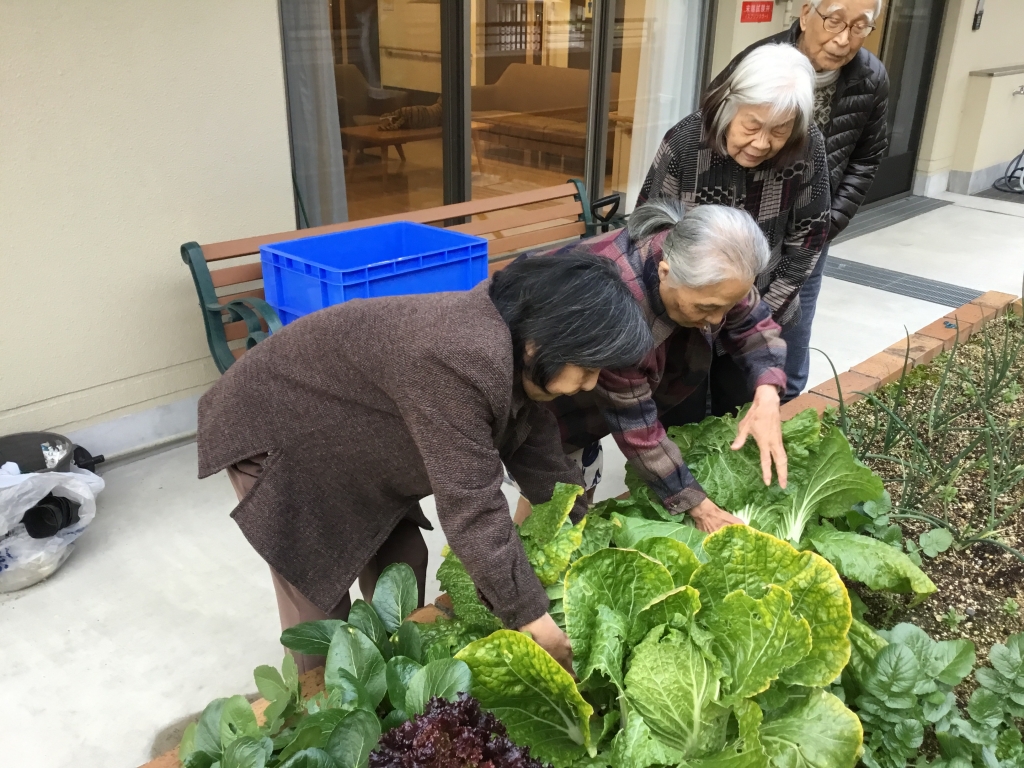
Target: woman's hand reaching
[(763, 422), (709, 517), (552, 639)]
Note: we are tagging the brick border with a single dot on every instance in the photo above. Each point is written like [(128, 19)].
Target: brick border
[(925, 345)]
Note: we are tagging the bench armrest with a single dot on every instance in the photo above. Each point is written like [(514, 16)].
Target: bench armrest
[(251, 310)]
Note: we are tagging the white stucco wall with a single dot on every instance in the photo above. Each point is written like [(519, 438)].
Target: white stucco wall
[(126, 128), (961, 51)]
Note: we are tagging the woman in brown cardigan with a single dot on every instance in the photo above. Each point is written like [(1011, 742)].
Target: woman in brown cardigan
[(334, 428)]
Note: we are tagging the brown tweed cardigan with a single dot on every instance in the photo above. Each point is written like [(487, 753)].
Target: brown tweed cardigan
[(364, 409)]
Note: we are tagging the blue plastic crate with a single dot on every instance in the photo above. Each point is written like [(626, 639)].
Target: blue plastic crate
[(302, 276)]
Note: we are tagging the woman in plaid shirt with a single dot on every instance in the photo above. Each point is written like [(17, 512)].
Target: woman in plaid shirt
[(753, 146), (693, 276)]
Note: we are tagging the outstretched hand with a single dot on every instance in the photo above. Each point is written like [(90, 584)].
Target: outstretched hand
[(552, 639), (763, 422), (709, 517)]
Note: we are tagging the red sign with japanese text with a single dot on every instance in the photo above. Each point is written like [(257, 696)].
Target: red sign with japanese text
[(756, 11)]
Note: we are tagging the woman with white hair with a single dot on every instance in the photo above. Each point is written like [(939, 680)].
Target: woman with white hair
[(693, 275), (851, 92), (753, 146)]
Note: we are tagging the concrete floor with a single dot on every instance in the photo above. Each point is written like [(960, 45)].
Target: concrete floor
[(164, 606), (981, 249)]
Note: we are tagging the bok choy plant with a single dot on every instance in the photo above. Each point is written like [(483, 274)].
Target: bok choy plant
[(821, 509)]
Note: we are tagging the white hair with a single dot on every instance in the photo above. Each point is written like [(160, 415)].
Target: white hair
[(777, 75), (873, 16), (705, 245)]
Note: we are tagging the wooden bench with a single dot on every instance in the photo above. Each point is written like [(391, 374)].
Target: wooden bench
[(229, 278)]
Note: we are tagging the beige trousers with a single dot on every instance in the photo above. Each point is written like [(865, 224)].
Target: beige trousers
[(404, 545)]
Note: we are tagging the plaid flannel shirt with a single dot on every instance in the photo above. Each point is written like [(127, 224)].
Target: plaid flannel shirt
[(790, 203), (626, 402)]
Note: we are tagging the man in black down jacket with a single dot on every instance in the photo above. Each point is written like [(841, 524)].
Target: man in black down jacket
[(850, 101)]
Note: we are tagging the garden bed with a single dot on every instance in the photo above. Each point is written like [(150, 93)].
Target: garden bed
[(980, 584), (795, 640)]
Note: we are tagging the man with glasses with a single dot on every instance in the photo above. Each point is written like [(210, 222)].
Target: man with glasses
[(851, 92)]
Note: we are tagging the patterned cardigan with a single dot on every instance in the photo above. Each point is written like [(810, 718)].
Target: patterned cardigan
[(626, 402), (790, 203)]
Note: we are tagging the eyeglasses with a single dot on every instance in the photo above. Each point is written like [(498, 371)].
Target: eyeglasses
[(834, 25)]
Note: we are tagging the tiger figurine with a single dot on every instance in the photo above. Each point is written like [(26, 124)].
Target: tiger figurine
[(411, 118)]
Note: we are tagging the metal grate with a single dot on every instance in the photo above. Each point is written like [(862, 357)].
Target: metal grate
[(885, 215), (889, 280)]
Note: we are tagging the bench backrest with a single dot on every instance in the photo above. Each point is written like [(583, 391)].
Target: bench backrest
[(230, 272)]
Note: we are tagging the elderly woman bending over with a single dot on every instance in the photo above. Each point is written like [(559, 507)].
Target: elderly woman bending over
[(753, 146), (693, 276)]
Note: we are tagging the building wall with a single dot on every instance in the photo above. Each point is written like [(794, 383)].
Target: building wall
[(991, 129), (962, 51), (127, 128), (732, 35)]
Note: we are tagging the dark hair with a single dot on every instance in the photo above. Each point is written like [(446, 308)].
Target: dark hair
[(576, 310)]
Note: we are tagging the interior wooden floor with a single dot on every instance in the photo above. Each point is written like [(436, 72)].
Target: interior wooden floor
[(417, 182)]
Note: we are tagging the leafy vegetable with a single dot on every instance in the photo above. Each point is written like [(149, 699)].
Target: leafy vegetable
[(444, 678), (548, 536), (550, 540), (309, 758), (675, 608), (395, 595), (635, 747), (281, 689), (408, 641), (678, 558), (814, 730), (834, 482), (531, 694), (902, 685), (632, 531), (1005, 678), (674, 684), (674, 667), (458, 585), (364, 618), (354, 653), (755, 640), (373, 680), (312, 638), (742, 558), (620, 582), (247, 752), (399, 672), (826, 481), (451, 735), (236, 720), (353, 738), (597, 535), (870, 561), (548, 519)]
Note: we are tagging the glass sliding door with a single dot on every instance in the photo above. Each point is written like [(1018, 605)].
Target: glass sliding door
[(907, 48), (531, 79), (366, 107), (530, 71), (388, 59)]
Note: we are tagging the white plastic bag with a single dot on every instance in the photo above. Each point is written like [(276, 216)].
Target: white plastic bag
[(24, 560)]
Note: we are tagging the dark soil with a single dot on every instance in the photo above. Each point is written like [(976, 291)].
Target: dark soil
[(980, 586)]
